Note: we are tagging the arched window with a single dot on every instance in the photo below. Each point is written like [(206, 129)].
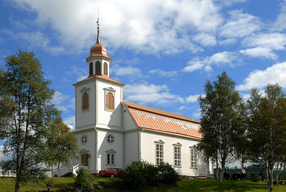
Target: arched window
[(85, 101), (109, 101), (90, 69), (105, 69), (97, 68)]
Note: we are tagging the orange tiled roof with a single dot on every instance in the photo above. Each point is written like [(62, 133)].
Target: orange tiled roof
[(101, 77), (163, 121)]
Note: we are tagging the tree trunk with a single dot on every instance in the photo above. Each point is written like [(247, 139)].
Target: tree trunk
[(217, 172), (269, 176), (278, 171), (242, 162), (222, 171), (17, 184)]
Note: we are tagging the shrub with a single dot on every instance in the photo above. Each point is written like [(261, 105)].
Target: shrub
[(254, 177), (167, 173), (83, 179), (46, 169), (140, 174)]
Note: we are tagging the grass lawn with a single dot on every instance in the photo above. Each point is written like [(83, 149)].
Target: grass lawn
[(7, 184)]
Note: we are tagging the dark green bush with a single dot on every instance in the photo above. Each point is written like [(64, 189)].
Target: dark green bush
[(83, 179), (140, 174), (254, 177), (167, 173)]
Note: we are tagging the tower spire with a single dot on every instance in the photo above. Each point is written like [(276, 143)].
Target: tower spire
[(98, 37)]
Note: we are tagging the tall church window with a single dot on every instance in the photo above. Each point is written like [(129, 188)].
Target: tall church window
[(109, 94), (90, 69), (159, 151), (98, 68), (177, 154), (109, 101), (193, 158), (84, 159), (105, 69), (85, 101)]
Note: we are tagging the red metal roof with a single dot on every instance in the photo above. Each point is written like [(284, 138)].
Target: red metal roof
[(101, 77), (98, 49), (163, 121)]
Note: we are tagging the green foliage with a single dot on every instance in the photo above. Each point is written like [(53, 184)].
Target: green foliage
[(61, 142), (167, 173), (266, 122), (25, 116), (220, 119), (254, 177), (84, 179), (140, 174)]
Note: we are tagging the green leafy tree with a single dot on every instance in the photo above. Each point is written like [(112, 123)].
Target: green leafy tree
[(62, 143), (27, 114), (219, 119), (267, 128)]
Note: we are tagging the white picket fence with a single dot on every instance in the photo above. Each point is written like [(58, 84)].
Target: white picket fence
[(12, 173), (64, 170)]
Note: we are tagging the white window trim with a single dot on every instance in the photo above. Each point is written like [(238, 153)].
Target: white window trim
[(112, 91), (178, 145), (111, 152), (196, 155), (161, 159), (85, 90)]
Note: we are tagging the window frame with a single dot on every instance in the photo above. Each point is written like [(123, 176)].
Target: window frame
[(81, 139), (195, 159), (112, 91), (110, 154), (83, 91), (160, 152), (177, 155), (110, 135)]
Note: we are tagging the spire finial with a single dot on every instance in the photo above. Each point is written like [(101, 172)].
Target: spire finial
[(98, 38)]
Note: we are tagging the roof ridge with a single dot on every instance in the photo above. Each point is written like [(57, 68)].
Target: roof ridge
[(153, 110)]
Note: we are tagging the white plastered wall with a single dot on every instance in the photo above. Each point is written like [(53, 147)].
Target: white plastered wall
[(85, 119), (107, 118), (104, 146), (131, 146), (148, 151), (89, 146)]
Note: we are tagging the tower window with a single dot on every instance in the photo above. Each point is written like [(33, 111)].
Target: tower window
[(105, 69), (85, 101), (97, 68), (109, 101), (90, 69)]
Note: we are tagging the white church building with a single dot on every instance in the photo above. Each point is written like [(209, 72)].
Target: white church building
[(112, 132)]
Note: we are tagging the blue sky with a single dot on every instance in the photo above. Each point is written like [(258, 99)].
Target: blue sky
[(164, 51)]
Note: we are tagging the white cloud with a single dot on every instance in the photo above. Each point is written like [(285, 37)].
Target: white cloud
[(63, 102), (227, 41), (259, 78), (259, 52), (182, 107), (59, 98), (164, 73), (70, 121), (230, 2), (126, 71), (264, 45), (280, 23), (36, 39), (144, 26), (150, 93), (222, 58), (205, 39), (80, 73), (193, 98), (2, 156), (239, 25)]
